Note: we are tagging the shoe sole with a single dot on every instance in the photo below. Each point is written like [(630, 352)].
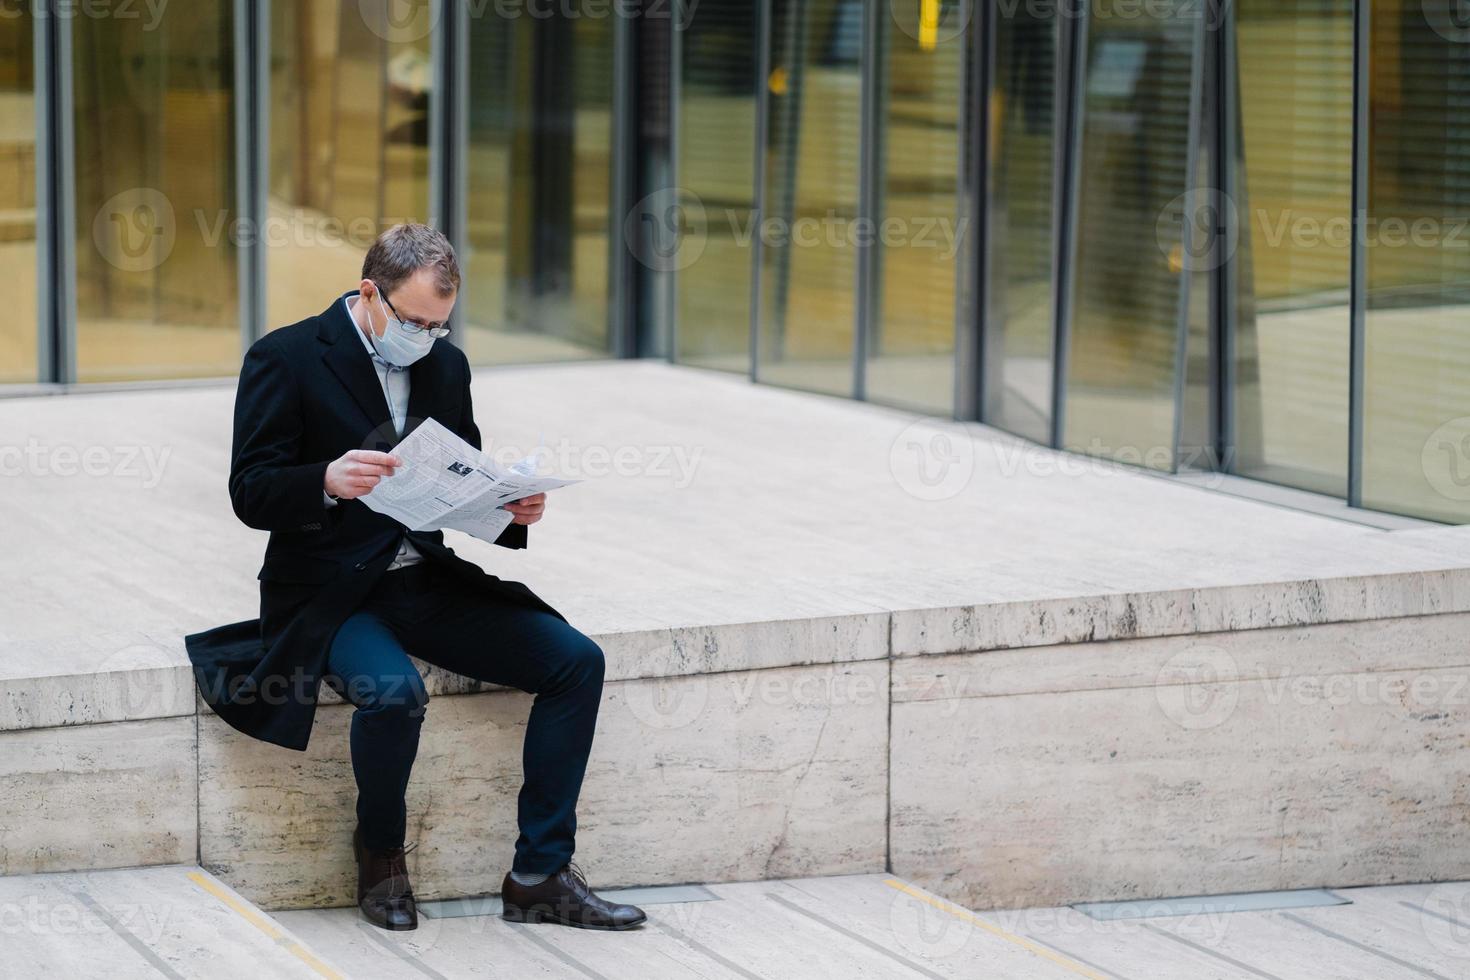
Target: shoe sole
[(390, 928), (515, 914)]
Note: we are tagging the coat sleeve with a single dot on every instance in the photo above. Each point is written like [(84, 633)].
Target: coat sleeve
[(514, 536), (271, 488)]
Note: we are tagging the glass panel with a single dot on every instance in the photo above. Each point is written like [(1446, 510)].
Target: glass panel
[(155, 193), (1020, 258), (1125, 316), (1292, 200), (1416, 440), (349, 143), (539, 208), (717, 110), (18, 195), (911, 347), (808, 262)]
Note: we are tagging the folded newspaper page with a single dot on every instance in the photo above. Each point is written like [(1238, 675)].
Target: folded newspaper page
[(446, 482)]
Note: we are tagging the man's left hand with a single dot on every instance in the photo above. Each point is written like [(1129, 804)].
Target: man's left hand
[(527, 510)]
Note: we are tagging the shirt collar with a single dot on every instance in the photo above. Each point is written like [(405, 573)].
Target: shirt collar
[(361, 335)]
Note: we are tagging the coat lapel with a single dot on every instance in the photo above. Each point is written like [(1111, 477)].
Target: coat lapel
[(350, 362)]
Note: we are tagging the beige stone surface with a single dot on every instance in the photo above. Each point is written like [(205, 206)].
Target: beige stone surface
[(722, 777), (98, 796), (1330, 755)]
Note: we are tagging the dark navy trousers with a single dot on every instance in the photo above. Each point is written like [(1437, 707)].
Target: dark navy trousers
[(423, 611)]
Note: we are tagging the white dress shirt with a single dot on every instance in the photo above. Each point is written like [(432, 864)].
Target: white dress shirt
[(394, 380)]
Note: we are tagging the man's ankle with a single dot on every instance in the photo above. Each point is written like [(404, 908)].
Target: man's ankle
[(527, 877)]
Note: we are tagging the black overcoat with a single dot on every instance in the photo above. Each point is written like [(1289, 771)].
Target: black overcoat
[(307, 394)]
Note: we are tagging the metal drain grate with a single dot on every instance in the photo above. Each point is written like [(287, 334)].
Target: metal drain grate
[(459, 908), (1155, 908)]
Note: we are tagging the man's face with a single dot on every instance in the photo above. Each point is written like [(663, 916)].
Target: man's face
[(416, 300)]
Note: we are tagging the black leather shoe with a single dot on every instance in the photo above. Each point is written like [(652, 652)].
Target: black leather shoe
[(565, 898), (383, 891)]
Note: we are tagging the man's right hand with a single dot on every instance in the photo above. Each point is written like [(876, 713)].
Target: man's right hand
[(357, 472)]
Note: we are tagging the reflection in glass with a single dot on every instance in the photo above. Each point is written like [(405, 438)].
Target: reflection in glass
[(716, 143), (1293, 199), (1125, 315), (18, 196), (540, 140), (1416, 439), (808, 260), (1020, 258), (349, 150), (155, 191), (911, 346)]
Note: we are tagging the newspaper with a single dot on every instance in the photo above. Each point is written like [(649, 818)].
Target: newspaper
[(444, 482)]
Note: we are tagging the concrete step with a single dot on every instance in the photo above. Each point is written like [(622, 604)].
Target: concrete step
[(175, 921)]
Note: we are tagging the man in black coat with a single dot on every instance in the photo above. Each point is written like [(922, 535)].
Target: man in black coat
[(347, 594)]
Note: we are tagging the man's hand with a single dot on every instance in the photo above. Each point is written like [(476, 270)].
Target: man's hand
[(357, 472), (527, 510)]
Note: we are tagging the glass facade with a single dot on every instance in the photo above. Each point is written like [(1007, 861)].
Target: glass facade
[(157, 291), (1416, 408), (717, 113), (919, 234), (18, 336), (1182, 236), (350, 92)]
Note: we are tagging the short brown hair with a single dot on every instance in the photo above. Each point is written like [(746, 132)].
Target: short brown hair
[(404, 249)]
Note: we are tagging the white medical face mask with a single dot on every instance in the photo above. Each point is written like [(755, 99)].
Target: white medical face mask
[(399, 345)]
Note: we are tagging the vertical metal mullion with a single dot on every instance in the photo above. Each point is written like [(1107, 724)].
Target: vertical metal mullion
[(1357, 289), (47, 221), (1066, 192), (252, 135), (674, 203), (764, 24), (1226, 283), (56, 177), (624, 314), (449, 134), (868, 285), (972, 207), (1188, 231)]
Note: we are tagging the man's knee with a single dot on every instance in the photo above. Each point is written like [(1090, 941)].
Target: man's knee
[(399, 697), (588, 663)]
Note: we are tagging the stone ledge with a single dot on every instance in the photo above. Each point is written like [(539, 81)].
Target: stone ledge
[(134, 676)]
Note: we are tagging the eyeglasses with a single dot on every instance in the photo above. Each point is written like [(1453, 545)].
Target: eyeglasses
[(434, 329)]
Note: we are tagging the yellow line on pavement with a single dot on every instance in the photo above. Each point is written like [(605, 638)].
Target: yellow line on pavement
[(995, 930), (265, 924)]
